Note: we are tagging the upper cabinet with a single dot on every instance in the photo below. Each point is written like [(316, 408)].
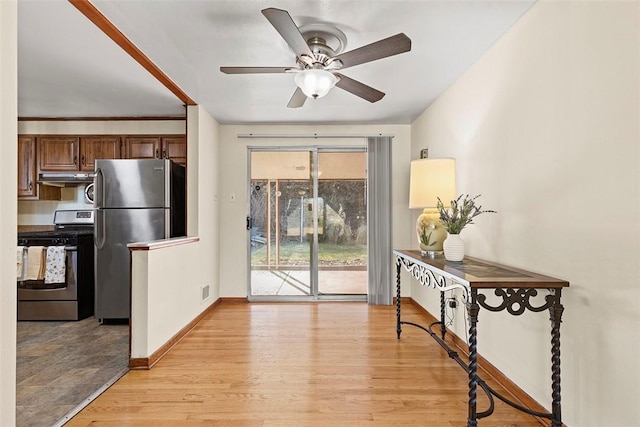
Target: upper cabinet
[(72, 154), (58, 153), (98, 147), (157, 147), (28, 188), (175, 148), (64, 153), (142, 147)]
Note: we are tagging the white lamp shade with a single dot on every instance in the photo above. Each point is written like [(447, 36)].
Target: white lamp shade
[(430, 179), (315, 83)]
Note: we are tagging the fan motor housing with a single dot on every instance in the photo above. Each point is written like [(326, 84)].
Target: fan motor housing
[(326, 38)]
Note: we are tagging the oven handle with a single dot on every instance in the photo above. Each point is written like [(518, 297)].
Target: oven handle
[(70, 248)]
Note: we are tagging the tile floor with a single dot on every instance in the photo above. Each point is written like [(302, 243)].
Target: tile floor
[(60, 364)]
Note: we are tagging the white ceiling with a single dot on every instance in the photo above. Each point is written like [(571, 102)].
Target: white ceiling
[(68, 68)]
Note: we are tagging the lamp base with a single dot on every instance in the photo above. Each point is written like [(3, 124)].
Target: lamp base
[(431, 233)]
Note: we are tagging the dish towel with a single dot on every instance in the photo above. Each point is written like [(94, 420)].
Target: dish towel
[(55, 265), (19, 263), (35, 262)]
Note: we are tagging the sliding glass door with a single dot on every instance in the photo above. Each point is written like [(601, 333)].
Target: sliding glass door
[(281, 223), (307, 224)]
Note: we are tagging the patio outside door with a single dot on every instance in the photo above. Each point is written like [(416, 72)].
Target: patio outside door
[(308, 224)]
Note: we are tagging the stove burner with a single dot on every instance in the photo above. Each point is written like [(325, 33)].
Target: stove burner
[(69, 224)]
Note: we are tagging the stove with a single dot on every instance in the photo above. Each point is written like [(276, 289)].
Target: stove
[(71, 296)]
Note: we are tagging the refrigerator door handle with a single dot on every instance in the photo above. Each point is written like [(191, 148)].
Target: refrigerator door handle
[(99, 229), (98, 189), (167, 224)]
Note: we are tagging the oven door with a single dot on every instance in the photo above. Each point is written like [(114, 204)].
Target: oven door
[(38, 301)]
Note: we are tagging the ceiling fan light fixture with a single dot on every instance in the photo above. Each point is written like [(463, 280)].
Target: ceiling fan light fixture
[(315, 83)]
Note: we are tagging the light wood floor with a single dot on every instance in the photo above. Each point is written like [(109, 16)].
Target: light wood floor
[(294, 364)]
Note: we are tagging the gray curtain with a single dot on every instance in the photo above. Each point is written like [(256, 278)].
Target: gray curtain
[(379, 204)]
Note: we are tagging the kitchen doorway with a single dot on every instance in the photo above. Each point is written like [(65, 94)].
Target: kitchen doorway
[(307, 223)]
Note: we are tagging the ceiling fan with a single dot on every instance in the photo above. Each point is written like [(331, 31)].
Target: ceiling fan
[(318, 63)]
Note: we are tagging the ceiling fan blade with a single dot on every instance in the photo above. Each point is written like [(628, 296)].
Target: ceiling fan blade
[(254, 70), (359, 89), (390, 46), (282, 22), (298, 99)]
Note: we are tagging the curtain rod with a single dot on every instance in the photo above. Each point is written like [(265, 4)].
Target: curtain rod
[(313, 136)]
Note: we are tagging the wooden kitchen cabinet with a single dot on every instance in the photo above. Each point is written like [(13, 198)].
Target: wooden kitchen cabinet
[(98, 147), (142, 147), (58, 153), (157, 147), (76, 153), (28, 189), (175, 148)]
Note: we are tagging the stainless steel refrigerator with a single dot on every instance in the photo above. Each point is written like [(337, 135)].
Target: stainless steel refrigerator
[(135, 201)]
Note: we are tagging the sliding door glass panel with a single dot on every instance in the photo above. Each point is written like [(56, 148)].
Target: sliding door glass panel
[(281, 234), (342, 223)]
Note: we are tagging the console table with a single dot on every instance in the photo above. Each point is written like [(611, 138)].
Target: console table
[(514, 287)]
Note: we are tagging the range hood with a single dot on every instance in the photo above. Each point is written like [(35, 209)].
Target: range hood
[(65, 179)]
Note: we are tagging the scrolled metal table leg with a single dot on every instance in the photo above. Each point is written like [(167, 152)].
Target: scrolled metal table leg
[(472, 309), (398, 325), (443, 327), (556, 317)]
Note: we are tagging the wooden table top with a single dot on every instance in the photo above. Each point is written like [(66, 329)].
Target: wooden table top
[(485, 274)]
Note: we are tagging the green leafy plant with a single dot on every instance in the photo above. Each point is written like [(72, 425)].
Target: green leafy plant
[(461, 213), (425, 238)]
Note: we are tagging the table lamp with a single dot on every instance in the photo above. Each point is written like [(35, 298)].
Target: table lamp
[(430, 179)]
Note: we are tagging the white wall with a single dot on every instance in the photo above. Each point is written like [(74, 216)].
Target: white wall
[(546, 127), (102, 127), (207, 187), (8, 221), (166, 294), (166, 283), (233, 179), (40, 212)]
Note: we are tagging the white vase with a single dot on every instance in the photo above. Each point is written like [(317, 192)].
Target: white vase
[(453, 248)]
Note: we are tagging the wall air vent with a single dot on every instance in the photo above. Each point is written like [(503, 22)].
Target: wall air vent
[(205, 292)]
